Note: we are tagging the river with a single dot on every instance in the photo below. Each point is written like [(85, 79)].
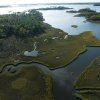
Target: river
[(63, 78)]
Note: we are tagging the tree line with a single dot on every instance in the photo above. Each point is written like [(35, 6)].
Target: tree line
[(21, 24)]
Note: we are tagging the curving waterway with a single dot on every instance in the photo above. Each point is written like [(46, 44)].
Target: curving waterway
[(60, 18), (64, 77), (64, 21)]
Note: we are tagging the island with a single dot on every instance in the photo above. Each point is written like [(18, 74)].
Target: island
[(74, 26), (54, 8), (97, 4), (90, 15), (88, 84)]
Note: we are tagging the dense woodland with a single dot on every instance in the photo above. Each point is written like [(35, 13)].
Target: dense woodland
[(21, 24)]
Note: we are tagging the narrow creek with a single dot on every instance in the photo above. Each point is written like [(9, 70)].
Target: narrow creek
[(64, 77)]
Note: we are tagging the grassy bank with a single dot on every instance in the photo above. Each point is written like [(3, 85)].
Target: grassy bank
[(29, 84), (88, 84), (54, 49), (60, 51)]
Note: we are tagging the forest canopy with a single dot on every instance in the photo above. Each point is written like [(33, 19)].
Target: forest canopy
[(21, 24)]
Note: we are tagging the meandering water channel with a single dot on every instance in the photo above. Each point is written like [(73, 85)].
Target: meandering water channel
[(64, 77)]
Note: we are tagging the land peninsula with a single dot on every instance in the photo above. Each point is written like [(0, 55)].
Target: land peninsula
[(30, 83), (55, 47), (88, 84), (20, 32)]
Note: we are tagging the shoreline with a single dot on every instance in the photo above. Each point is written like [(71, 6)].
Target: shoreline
[(41, 63)]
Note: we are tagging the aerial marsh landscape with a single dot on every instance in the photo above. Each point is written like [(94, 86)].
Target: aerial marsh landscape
[(88, 84), (50, 51)]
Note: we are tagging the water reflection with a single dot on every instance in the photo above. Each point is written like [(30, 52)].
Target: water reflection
[(33, 53)]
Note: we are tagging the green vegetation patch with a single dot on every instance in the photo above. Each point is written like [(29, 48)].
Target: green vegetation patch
[(74, 26), (90, 78), (97, 4), (89, 14), (88, 84), (28, 84), (89, 39), (21, 24), (60, 51), (55, 48), (88, 96)]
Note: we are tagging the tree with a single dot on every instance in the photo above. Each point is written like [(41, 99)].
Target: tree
[(21, 24)]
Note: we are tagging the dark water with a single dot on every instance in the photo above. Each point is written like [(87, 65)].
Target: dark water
[(63, 78)]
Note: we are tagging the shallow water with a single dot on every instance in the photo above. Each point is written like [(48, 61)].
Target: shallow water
[(63, 20), (60, 19), (33, 53)]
